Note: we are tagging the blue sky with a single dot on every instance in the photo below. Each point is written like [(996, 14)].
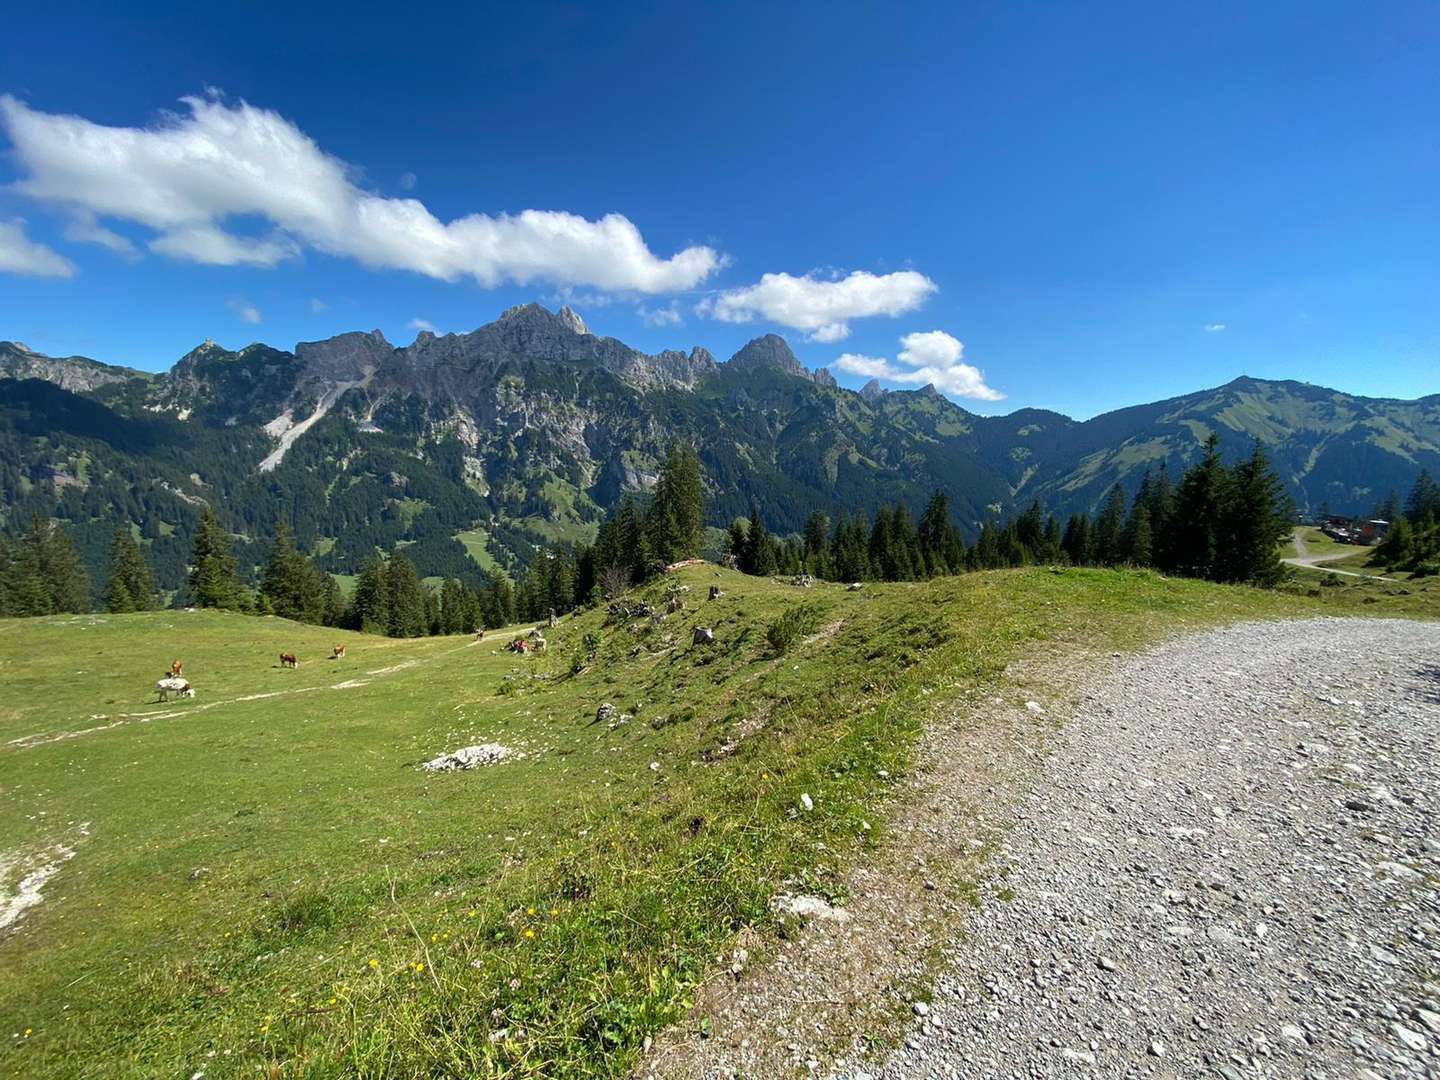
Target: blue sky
[(1105, 203)]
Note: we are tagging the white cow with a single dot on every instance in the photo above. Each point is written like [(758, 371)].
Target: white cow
[(171, 685)]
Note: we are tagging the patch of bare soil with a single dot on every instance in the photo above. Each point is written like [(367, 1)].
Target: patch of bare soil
[(805, 1001)]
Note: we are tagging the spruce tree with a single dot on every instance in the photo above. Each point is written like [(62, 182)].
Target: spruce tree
[(408, 615), (370, 606), (677, 511), (759, 557), (291, 585), (1255, 520), (1192, 543), (28, 590), (817, 544), (1110, 529), (1139, 537), (1076, 541), (1423, 505), (214, 580), (131, 586)]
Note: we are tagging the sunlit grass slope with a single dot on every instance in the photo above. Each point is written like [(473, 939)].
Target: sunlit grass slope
[(264, 877)]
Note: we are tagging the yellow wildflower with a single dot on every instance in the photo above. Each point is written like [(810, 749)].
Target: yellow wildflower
[(529, 933), (373, 963)]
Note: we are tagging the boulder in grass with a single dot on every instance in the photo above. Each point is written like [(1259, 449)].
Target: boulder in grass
[(703, 636), (469, 757)]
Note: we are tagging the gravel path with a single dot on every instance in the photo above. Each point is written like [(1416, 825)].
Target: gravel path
[(1227, 866)]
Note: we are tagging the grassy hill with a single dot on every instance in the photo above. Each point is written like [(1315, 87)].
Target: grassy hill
[(262, 879)]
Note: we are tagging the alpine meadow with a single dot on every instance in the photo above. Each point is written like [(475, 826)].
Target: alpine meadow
[(748, 677)]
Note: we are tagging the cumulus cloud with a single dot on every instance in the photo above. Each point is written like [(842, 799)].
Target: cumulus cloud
[(21, 255), (422, 324), (190, 175), (821, 307), (933, 357), (245, 310), (1214, 327), (84, 228), (663, 316)]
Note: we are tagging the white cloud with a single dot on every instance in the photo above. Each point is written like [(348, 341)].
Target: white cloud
[(664, 316), (187, 175), (407, 181), (422, 324), (85, 229), (821, 307), (21, 255), (209, 244), (1214, 327), (931, 356), (317, 305), (245, 310)]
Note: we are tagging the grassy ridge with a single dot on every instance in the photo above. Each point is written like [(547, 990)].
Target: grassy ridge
[(270, 880)]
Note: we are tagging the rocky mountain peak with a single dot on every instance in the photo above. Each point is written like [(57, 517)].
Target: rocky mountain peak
[(872, 390), (769, 353), (533, 329)]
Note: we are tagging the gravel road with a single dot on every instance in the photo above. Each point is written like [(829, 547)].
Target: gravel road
[(1227, 866)]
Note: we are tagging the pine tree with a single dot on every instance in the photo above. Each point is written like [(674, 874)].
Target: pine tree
[(678, 509), (1192, 544), (291, 585), (370, 607), (29, 593), (1139, 542), (1076, 540), (45, 575), (408, 616), (634, 542), (214, 580), (131, 586), (1423, 505), (1110, 529), (759, 552), (1256, 519), (817, 544), (1398, 547)]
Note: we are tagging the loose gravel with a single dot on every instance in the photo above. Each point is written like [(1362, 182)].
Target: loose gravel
[(1227, 865)]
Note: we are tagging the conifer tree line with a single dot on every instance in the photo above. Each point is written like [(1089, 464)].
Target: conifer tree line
[(1220, 522), (1413, 542)]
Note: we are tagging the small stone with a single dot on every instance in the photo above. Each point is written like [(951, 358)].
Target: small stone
[(1105, 964), (920, 1009), (1411, 1040), (1157, 1048), (807, 802)]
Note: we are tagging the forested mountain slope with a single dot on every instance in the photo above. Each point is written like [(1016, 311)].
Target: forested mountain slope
[(529, 429)]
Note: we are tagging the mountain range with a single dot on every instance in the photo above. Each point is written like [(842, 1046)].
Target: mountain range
[(472, 449)]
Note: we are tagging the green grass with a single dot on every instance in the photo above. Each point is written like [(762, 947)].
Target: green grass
[(476, 543), (268, 883)]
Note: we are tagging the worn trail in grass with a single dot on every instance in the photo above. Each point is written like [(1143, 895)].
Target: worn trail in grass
[(271, 881)]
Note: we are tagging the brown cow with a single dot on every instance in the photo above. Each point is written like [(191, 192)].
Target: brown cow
[(338, 652), (288, 659), (175, 669)]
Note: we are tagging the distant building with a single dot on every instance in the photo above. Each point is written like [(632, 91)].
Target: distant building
[(1355, 531)]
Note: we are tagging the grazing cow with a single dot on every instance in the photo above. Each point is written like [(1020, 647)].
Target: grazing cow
[(539, 643), (480, 634), (337, 652), (172, 684), (176, 669), (289, 659)]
